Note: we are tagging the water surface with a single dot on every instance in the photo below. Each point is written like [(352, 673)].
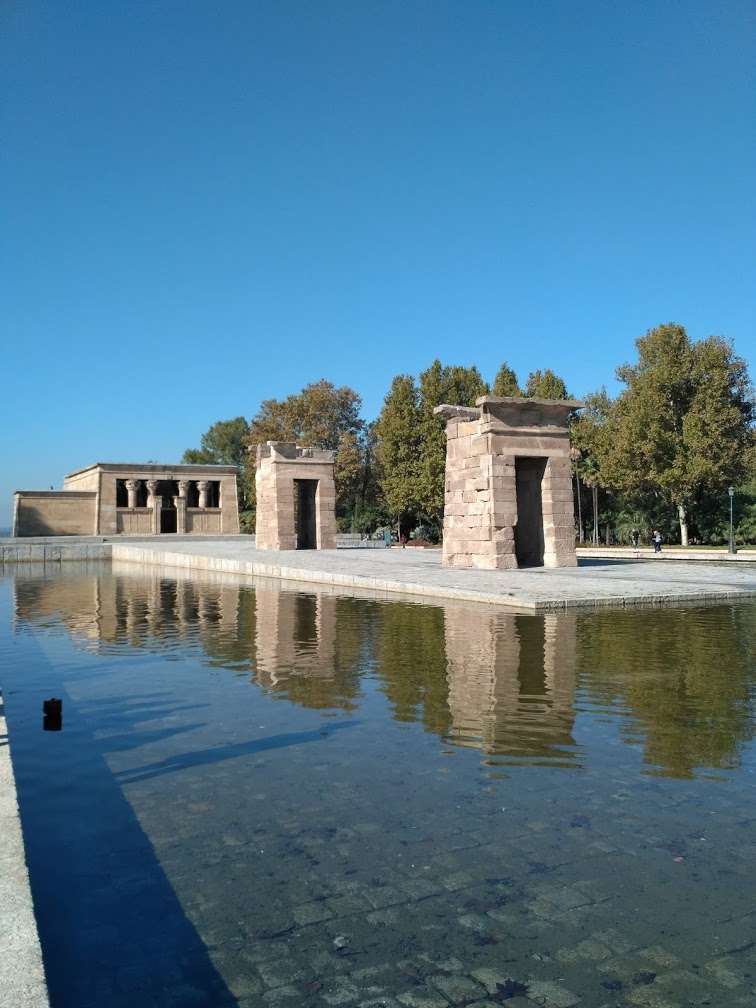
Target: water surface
[(274, 797)]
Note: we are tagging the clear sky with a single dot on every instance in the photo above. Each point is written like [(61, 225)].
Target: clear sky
[(206, 204)]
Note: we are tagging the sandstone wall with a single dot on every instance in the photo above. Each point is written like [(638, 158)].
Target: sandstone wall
[(54, 513)]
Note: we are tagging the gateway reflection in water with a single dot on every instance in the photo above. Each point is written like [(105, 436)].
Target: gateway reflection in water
[(477, 677), (264, 797)]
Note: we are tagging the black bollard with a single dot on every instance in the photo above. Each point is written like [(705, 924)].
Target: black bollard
[(53, 711)]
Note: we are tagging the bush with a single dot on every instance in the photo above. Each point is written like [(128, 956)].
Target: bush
[(247, 522), (425, 533)]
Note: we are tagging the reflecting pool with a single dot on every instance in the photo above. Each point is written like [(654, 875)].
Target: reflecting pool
[(263, 795)]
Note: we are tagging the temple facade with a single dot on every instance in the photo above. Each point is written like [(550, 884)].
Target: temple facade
[(508, 493), (111, 498)]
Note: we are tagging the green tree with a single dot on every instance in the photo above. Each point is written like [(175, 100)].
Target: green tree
[(457, 386), (683, 425), (505, 382), (400, 445), (225, 443), (545, 385)]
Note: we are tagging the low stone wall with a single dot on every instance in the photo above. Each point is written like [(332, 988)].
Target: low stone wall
[(45, 550), (55, 512)]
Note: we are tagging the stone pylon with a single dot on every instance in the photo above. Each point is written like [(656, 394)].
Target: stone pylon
[(508, 495), (296, 497)]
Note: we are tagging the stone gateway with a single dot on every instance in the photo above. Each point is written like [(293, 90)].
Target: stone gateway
[(296, 497), (508, 493)]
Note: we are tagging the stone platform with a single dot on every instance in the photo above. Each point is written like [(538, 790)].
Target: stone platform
[(593, 583)]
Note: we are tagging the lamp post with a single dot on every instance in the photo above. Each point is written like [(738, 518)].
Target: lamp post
[(731, 492)]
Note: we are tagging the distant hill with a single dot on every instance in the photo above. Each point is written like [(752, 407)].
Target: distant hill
[(5, 532)]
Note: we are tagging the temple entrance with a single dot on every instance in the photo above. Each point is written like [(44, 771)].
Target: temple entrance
[(304, 513), (167, 490), (168, 521), (529, 546)]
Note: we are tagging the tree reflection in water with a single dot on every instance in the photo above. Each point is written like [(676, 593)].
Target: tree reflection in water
[(677, 682)]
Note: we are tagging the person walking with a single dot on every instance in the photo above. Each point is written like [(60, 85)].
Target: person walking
[(634, 537), (657, 541)]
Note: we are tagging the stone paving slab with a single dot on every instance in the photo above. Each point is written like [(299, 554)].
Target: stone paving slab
[(22, 977), (593, 583)]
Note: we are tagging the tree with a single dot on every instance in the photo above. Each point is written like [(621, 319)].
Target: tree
[(316, 417), (413, 439), (683, 426), (225, 443), (457, 386), (400, 440), (320, 416), (545, 385), (505, 382), (587, 436)]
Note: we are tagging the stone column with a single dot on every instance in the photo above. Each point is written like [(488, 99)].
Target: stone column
[(182, 485), (132, 485), (180, 504), (203, 486), (156, 503)]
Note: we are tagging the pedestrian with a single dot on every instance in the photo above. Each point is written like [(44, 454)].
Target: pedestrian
[(657, 541), (404, 541), (634, 537), (387, 537)]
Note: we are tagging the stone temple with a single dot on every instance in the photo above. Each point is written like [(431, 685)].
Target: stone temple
[(508, 494), (141, 499)]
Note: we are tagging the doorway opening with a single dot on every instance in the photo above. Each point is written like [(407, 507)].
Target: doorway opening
[(167, 491), (529, 546), (304, 514), (168, 519)]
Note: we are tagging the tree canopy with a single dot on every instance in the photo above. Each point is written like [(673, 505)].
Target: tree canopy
[(320, 416), (683, 424), (225, 443), (545, 385), (505, 382)]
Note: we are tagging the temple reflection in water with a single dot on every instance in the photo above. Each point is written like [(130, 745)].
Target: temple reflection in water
[(474, 676)]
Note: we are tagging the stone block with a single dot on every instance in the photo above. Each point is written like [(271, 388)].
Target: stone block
[(458, 560)]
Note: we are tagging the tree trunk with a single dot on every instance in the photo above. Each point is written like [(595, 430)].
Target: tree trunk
[(581, 530), (683, 516)]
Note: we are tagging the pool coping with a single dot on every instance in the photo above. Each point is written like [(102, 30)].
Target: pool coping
[(22, 974)]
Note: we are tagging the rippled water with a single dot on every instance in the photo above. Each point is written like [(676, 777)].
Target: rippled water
[(262, 796)]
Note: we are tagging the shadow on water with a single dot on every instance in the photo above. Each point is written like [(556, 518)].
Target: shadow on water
[(112, 930), (216, 754)]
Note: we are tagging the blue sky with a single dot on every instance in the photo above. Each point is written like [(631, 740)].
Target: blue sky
[(210, 204)]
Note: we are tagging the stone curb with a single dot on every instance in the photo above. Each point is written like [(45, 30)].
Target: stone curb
[(22, 975)]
